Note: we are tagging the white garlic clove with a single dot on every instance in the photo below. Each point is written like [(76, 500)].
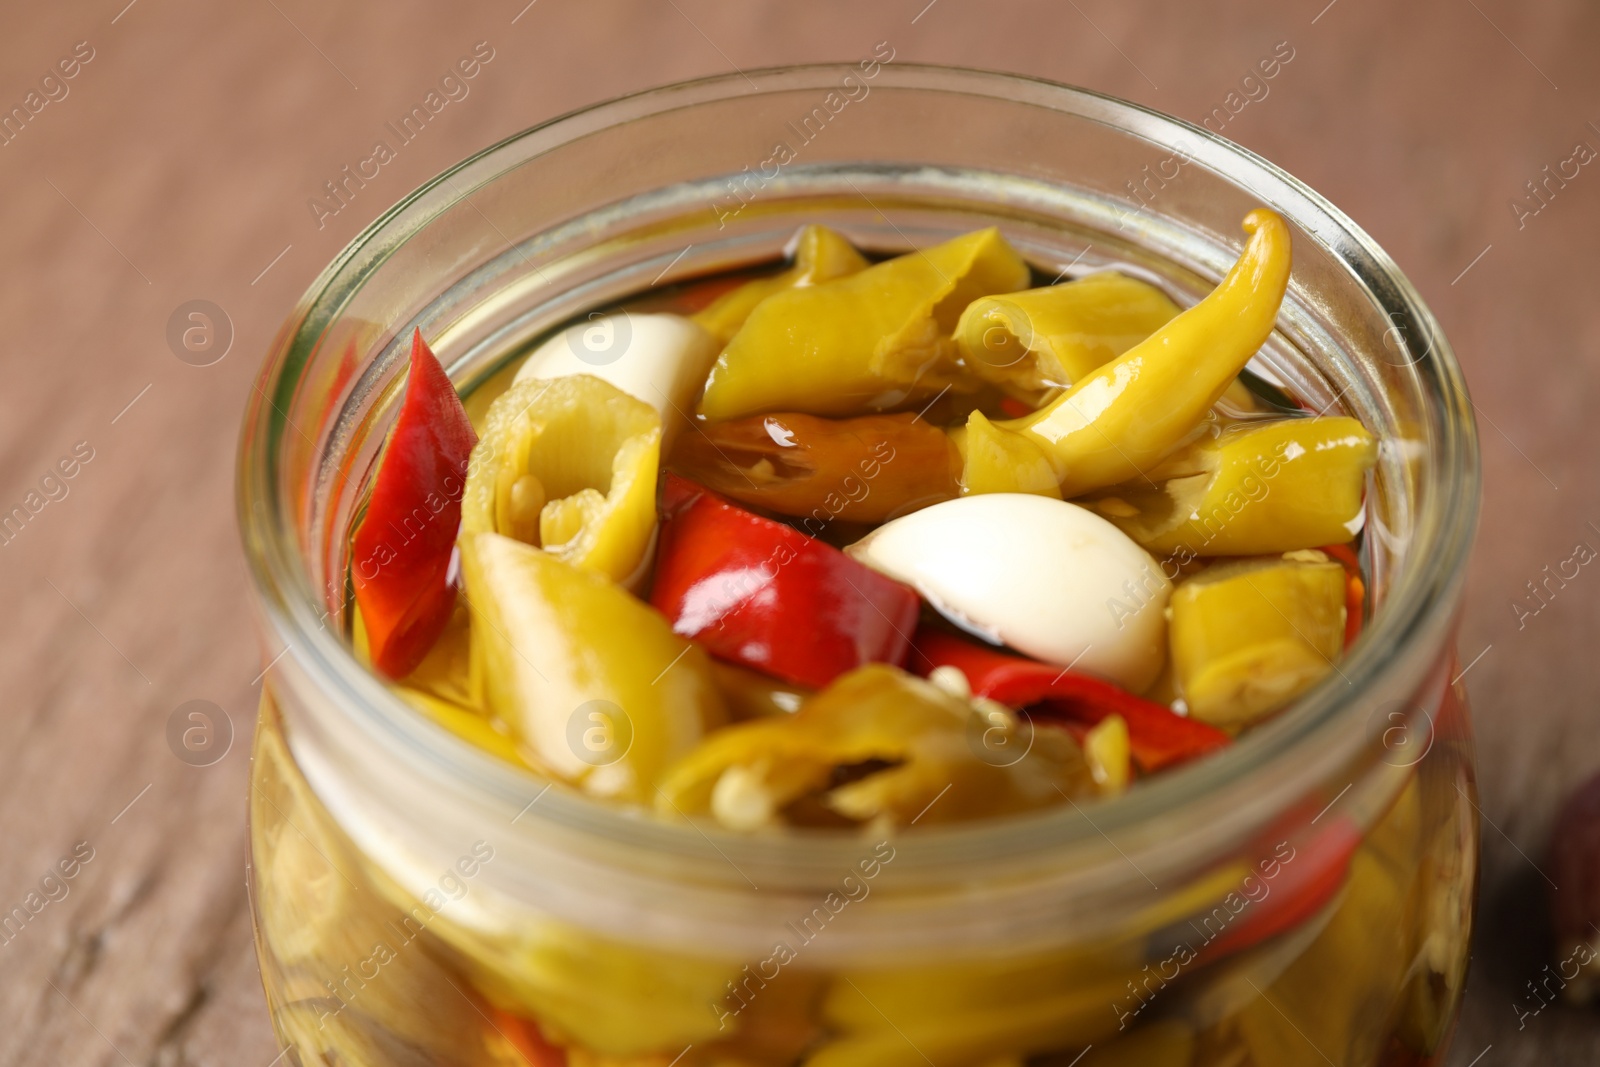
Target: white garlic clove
[(658, 358), (1051, 579)]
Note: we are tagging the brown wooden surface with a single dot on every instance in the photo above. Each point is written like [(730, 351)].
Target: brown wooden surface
[(178, 168)]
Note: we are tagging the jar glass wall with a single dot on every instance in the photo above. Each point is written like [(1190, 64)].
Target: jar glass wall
[(1303, 897)]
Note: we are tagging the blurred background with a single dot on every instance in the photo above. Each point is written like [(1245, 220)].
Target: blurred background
[(178, 162)]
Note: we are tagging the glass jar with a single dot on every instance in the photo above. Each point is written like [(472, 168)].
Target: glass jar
[(1304, 897)]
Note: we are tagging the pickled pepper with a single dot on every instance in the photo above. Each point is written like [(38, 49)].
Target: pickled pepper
[(1039, 340), (1124, 418), (871, 341), (569, 465), (762, 594), (1249, 636), (1253, 489), (1157, 737), (595, 686), (866, 469), (924, 743), (401, 551), (820, 255)]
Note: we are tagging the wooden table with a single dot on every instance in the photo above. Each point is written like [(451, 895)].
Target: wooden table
[(176, 165)]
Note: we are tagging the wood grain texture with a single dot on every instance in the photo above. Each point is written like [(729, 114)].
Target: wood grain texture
[(179, 166)]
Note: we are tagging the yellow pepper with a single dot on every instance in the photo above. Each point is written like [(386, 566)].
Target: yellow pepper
[(1107, 749), (441, 688), (820, 255), (608, 998), (469, 725), (1249, 636), (998, 461), (904, 743), (328, 912), (593, 683), (615, 1004), (445, 673), (1043, 339), (568, 464), (1121, 420), (1443, 889), (958, 1011), (872, 341), (1254, 488), (964, 1012)]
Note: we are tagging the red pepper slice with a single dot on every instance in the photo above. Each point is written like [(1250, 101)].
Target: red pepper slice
[(1279, 893), (765, 595), (1157, 737), (525, 1037), (1355, 590), (1306, 882), (400, 557)]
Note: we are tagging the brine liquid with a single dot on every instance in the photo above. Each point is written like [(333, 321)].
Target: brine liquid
[(359, 972)]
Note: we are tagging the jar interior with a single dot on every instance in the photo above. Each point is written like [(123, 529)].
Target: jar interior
[(605, 205)]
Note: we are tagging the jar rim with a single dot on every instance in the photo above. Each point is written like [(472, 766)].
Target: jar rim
[(1419, 612)]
